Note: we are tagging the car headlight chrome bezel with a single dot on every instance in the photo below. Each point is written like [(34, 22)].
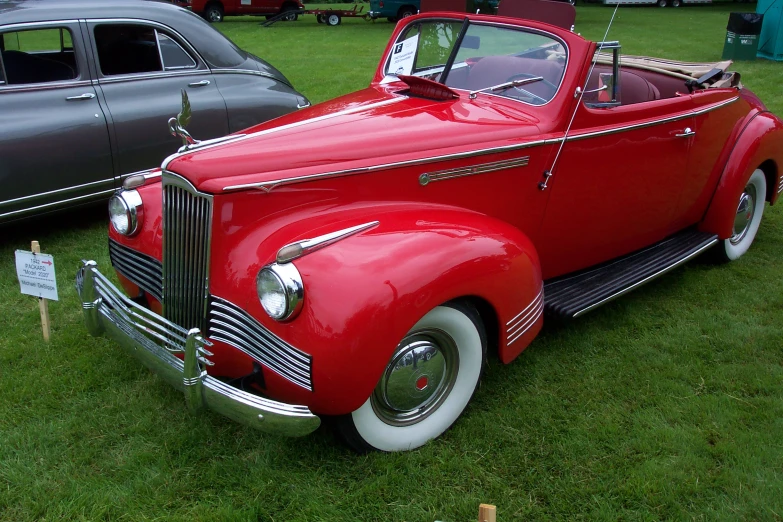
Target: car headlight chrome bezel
[(286, 281), (126, 205)]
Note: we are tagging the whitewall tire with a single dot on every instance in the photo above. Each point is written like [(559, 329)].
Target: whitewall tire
[(426, 385), (750, 208)]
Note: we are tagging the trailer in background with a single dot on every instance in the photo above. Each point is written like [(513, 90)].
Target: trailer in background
[(659, 3)]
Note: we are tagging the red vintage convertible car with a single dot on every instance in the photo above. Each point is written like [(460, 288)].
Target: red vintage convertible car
[(358, 260)]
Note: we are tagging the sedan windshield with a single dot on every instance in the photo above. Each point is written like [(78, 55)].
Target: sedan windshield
[(498, 60)]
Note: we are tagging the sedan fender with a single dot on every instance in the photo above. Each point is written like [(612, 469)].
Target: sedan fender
[(363, 293), (755, 148)]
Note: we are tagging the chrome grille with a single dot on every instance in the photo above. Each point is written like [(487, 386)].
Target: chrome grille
[(143, 270), (187, 225), (232, 325)]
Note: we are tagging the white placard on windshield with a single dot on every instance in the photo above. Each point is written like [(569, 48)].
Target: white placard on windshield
[(403, 54)]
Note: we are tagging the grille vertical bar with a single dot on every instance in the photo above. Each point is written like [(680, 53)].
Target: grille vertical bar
[(187, 225)]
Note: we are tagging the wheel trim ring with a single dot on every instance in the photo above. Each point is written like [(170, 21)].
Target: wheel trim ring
[(447, 347), (745, 214)]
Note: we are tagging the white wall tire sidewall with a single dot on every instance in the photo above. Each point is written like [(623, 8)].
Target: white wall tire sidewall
[(734, 252), (385, 437)]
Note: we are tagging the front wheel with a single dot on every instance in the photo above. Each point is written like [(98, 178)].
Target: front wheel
[(426, 385), (750, 208), (213, 13)]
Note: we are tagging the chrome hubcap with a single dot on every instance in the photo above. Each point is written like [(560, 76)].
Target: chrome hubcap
[(418, 378), (744, 216)]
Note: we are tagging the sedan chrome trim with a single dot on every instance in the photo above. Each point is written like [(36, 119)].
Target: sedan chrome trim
[(58, 191), (306, 246), (264, 132), (23, 87), (94, 195), (427, 178), (150, 76), (248, 72), (647, 279)]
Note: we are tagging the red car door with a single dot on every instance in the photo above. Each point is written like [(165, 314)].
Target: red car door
[(616, 185)]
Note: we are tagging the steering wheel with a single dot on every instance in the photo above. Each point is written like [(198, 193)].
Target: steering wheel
[(544, 81)]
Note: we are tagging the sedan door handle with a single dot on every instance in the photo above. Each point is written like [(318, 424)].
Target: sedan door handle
[(202, 83), (687, 133), (85, 96)]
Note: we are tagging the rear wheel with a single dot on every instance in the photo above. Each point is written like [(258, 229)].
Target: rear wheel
[(676, 3), (333, 19), (213, 13), (405, 11), (662, 3), (292, 16), (747, 219), (426, 385), (321, 18)]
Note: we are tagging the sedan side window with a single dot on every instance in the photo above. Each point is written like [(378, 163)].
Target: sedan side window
[(38, 56), (136, 49)]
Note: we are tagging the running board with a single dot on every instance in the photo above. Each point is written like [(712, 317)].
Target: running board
[(573, 295)]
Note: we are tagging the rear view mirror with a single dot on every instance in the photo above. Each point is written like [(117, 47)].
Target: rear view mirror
[(471, 42)]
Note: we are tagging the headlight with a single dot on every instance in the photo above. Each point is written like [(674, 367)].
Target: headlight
[(280, 291), (125, 212)]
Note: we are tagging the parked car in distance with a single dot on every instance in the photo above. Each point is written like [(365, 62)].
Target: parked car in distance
[(92, 83), (515, 171), (215, 10), (393, 10)]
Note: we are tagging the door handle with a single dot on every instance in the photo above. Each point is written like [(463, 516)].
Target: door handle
[(85, 96), (202, 83), (687, 133)]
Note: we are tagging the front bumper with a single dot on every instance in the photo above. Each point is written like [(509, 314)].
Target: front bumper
[(154, 341)]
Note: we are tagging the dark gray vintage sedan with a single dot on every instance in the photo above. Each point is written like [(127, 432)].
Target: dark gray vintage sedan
[(86, 89)]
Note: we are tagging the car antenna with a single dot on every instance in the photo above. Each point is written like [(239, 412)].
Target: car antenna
[(580, 92)]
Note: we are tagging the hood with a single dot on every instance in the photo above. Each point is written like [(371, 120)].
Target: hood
[(368, 128)]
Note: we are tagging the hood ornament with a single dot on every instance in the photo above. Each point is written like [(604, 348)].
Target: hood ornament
[(177, 125)]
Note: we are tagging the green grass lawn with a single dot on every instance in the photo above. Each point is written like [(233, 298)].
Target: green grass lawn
[(665, 404)]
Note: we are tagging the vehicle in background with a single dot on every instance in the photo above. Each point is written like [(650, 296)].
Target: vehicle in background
[(86, 89), (215, 10), (393, 10), (659, 3)]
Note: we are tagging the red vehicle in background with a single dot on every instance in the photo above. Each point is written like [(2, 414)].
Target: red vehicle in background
[(215, 10), (359, 260)]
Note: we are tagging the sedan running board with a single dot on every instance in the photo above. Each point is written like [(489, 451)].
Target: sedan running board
[(574, 295)]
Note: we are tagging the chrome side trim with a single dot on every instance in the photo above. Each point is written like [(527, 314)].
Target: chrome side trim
[(245, 71), (94, 195), (230, 324), (58, 191), (301, 248), (267, 186), (35, 87), (37, 24), (149, 76), (154, 341), (427, 178), (524, 320), (646, 279), (780, 185), (298, 124), (651, 123)]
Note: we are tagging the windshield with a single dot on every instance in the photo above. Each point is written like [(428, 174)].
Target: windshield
[(521, 64)]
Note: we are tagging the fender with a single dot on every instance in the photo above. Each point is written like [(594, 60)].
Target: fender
[(758, 143), (364, 292)]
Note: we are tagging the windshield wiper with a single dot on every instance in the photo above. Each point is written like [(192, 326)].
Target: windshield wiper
[(506, 85)]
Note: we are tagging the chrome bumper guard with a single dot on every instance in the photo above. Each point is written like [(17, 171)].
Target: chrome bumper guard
[(153, 340)]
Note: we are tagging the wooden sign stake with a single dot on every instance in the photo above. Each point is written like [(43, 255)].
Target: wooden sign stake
[(43, 304), (487, 513)]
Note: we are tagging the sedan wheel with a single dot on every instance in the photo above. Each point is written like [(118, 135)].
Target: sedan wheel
[(426, 385), (747, 219)]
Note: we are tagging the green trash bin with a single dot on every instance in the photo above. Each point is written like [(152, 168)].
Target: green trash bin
[(742, 36)]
